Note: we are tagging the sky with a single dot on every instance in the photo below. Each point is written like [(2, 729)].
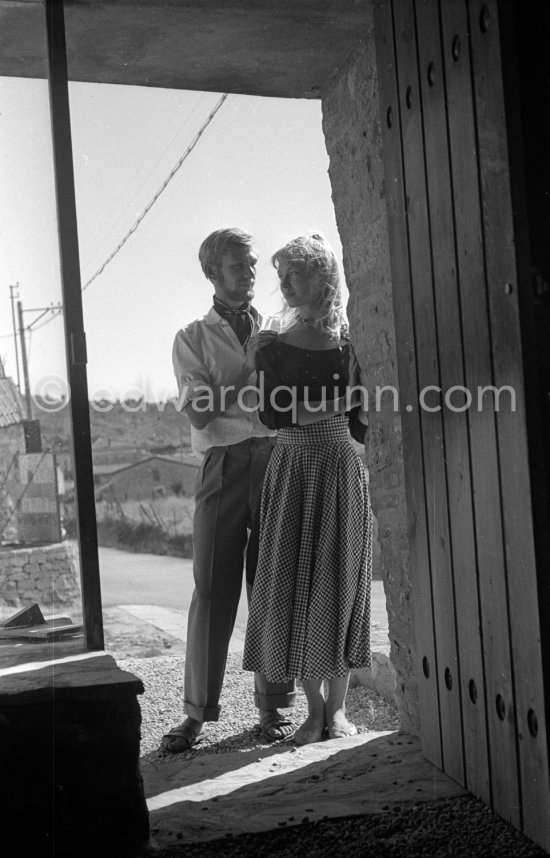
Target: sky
[(260, 165)]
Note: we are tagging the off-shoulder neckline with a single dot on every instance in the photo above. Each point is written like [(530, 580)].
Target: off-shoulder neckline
[(315, 351)]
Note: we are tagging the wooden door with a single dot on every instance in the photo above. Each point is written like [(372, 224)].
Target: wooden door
[(457, 263)]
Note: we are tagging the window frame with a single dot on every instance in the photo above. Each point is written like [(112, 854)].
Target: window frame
[(75, 336)]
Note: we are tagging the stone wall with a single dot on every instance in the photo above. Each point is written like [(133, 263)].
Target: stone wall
[(47, 575), (353, 140)]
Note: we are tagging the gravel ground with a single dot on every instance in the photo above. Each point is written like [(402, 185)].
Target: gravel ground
[(456, 828), (162, 708), (460, 828)]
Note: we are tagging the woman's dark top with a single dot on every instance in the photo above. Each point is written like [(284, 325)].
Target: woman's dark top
[(314, 375)]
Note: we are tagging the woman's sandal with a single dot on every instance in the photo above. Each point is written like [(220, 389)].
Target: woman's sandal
[(341, 730), (182, 738)]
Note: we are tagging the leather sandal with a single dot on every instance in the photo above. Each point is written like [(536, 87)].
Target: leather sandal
[(275, 726), (182, 738)]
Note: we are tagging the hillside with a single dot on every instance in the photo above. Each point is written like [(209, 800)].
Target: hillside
[(147, 426)]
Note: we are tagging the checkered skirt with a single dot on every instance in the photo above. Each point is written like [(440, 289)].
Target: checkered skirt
[(310, 610)]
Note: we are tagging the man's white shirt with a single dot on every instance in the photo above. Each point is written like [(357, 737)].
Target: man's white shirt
[(207, 354)]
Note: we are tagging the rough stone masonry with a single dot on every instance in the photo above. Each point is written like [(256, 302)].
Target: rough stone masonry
[(47, 575), (353, 139)]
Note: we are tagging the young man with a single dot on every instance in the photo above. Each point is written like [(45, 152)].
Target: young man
[(214, 359)]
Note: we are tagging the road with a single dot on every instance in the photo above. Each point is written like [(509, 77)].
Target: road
[(156, 587), (144, 579), (150, 579)]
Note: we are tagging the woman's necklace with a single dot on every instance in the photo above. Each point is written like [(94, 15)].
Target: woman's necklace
[(305, 323)]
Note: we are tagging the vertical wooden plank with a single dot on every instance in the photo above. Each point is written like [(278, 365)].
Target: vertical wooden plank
[(431, 422), (506, 342), (446, 267), (426, 654), (526, 38), (478, 365), (75, 342)]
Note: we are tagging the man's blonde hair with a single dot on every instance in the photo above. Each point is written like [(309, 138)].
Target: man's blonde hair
[(217, 243)]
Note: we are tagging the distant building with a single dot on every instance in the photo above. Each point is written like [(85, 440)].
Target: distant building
[(29, 501), (12, 444), (12, 424), (147, 479), (114, 451)]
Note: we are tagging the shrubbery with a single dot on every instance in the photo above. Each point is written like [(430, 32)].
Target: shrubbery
[(140, 537)]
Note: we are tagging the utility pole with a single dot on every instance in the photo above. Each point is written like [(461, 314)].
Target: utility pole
[(15, 332), (24, 361)]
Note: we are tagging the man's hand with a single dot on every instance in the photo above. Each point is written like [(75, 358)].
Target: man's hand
[(255, 343), (199, 418)]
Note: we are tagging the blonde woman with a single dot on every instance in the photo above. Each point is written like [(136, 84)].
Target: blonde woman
[(310, 610)]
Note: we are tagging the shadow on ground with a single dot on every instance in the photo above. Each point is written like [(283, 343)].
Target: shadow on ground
[(370, 795), (251, 791), (447, 828)]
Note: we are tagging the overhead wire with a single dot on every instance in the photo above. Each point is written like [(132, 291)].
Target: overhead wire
[(56, 312), (98, 241), (162, 188), (148, 207), (231, 121)]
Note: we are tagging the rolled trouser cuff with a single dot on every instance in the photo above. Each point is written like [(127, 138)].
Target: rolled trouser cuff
[(281, 700), (202, 713)]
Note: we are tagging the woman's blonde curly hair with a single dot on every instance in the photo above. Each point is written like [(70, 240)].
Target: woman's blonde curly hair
[(314, 254)]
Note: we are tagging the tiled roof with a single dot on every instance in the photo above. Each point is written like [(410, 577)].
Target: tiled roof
[(112, 469), (11, 407)]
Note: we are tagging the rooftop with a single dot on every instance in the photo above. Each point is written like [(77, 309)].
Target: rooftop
[(11, 407)]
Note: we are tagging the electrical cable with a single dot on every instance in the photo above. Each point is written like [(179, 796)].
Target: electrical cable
[(155, 197), (150, 204), (98, 241), (56, 312)]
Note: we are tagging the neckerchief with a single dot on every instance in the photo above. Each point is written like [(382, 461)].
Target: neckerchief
[(241, 319)]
